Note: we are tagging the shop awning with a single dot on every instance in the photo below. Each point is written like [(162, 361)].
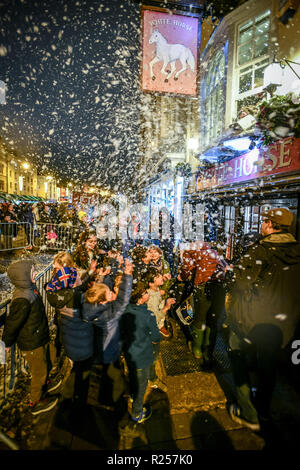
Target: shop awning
[(12, 197), (3, 197), (19, 197)]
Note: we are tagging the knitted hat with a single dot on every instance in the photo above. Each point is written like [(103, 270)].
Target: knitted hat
[(280, 216)]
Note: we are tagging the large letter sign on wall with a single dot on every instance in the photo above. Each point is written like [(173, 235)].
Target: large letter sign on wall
[(170, 53), (281, 157)]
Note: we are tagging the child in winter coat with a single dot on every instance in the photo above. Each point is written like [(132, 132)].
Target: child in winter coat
[(64, 293), (51, 237), (103, 308), (60, 261), (27, 326), (159, 262), (140, 338), (156, 303)]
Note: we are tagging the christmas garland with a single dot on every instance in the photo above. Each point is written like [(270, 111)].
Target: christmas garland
[(279, 118), (183, 169)]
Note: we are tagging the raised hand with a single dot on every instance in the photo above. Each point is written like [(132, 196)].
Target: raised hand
[(105, 272), (169, 302), (93, 265), (128, 267)]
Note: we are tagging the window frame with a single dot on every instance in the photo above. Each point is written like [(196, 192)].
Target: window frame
[(207, 99), (236, 95)]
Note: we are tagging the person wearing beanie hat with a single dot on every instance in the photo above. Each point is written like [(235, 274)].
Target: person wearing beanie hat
[(280, 216), (263, 312), (27, 326)]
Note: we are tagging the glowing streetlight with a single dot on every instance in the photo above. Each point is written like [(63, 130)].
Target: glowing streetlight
[(192, 143)]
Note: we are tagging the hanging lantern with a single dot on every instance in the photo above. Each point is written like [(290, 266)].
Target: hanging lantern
[(273, 75)]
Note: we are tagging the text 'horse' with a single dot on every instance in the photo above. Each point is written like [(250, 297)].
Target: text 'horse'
[(168, 54)]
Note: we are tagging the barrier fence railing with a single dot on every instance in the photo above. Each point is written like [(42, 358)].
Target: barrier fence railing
[(15, 235), (18, 235), (15, 364), (53, 236)]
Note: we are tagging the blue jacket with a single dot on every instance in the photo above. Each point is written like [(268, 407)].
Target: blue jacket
[(77, 335), (106, 320), (139, 330)]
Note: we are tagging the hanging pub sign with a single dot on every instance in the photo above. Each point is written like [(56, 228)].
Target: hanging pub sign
[(281, 157), (170, 52)]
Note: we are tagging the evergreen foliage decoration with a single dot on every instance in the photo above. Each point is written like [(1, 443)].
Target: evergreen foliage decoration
[(279, 118), (183, 169)]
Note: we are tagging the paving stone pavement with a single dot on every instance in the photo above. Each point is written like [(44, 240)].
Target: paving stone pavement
[(192, 415)]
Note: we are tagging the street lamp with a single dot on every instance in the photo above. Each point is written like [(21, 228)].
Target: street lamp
[(274, 74), (192, 144)]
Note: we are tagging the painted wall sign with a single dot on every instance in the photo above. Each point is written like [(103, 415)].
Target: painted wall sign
[(84, 198), (280, 157), (170, 53)]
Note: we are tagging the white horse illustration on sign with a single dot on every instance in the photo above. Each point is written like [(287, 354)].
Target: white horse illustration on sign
[(169, 53)]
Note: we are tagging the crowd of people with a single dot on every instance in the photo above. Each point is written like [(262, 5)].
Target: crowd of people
[(39, 222), (113, 308)]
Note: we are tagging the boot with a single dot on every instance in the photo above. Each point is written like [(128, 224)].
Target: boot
[(205, 348), (198, 337)]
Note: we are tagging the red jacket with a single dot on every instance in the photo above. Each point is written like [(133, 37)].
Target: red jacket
[(207, 263)]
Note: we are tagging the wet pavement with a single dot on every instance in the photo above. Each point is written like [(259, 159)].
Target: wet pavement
[(192, 415)]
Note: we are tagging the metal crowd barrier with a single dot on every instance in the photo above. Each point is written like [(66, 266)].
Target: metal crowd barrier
[(15, 364), (53, 236), (15, 235)]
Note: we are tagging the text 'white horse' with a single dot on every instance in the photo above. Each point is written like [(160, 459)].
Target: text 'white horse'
[(169, 53)]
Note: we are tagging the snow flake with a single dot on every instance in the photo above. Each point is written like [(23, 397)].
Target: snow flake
[(3, 51), (247, 340), (281, 316), (282, 131)]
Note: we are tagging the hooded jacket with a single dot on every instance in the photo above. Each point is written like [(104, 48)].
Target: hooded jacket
[(77, 335), (265, 288), (106, 318), (27, 323), (139, 330), (206, 262)]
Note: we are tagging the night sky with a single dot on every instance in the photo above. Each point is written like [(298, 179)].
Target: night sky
[(71, 69)]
